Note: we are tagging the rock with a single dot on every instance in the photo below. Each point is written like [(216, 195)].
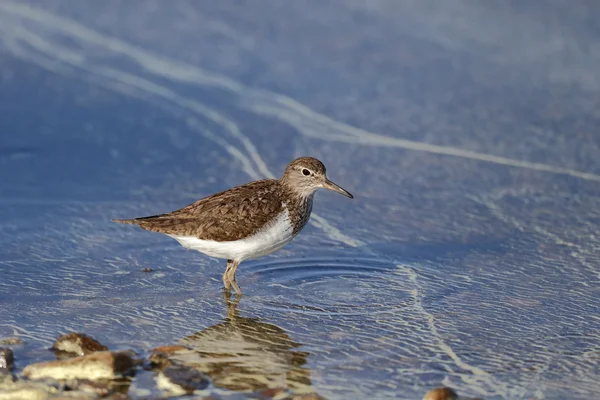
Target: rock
[(101, 365), (101, 387), (11, 341), (6, 358), (442, 393), (159, 359), (77, 344), (74, 395), (271, 393), (284, 394), (25, 393), (179, 380), (308, 396), (169, 349), (117, 396), (11, 389), (6, 378)]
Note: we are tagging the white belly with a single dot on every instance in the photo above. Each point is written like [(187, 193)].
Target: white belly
[(267, 240)]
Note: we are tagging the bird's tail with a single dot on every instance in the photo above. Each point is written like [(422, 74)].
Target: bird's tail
[(126, 221)]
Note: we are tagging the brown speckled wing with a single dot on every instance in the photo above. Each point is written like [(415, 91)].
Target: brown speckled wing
[(226, 216)]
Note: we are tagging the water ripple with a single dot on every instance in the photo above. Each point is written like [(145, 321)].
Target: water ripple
[(332, 286)]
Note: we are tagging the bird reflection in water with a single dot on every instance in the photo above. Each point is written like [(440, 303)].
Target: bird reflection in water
[(247, 355)]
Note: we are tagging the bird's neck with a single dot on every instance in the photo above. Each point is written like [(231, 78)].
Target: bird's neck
[(299, 206), (299, 197), (297, 190)]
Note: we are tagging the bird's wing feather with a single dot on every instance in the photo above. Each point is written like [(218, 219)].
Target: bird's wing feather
[(226, 216)]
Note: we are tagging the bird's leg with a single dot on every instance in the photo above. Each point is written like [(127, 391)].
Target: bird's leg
[(237, 289), (226, 276), (230, 272)]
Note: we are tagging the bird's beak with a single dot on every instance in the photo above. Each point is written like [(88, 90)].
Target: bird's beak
[(332, 186)]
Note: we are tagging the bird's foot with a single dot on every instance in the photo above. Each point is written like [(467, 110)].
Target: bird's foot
[(228, 284), (235, 286)]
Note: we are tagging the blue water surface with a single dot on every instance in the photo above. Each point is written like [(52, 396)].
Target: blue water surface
[(467, 131)]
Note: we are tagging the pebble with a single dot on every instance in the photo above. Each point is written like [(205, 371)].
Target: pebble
[(442, 393), (169, 349), (179, 380), (100, 388), (7, 358), (159, 358), (74, 395), (118, 396), (101, 365), (6, 378), (77, 344), (12, 389)]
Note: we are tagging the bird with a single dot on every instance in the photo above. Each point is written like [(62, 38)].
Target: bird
[(247, 221)]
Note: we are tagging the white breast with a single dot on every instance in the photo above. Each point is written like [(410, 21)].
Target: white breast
[(270, 238)]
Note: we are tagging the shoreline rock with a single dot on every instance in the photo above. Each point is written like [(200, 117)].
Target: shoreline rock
[(179, 380), (100, 365), (7, 358), (76, 344), (441, 393), (13, 389), (445, 393), (160, 356)]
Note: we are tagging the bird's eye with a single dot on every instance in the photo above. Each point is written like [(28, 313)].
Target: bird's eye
[(305, 172)]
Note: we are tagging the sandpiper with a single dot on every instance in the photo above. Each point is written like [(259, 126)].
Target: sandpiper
[(247, 221)]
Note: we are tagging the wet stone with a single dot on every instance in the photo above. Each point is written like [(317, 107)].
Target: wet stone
[(309, 396), (179, 380), (159, 361), (101, 365), (99, 387), (442, 393), (160, 356), (25, 390), (7, 358), (6, 378), (284, 394), (169, 349), (271, 393), (74, 395), (117, 396), (76, 344)]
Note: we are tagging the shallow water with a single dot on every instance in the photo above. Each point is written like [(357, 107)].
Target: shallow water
[(467, 133)]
